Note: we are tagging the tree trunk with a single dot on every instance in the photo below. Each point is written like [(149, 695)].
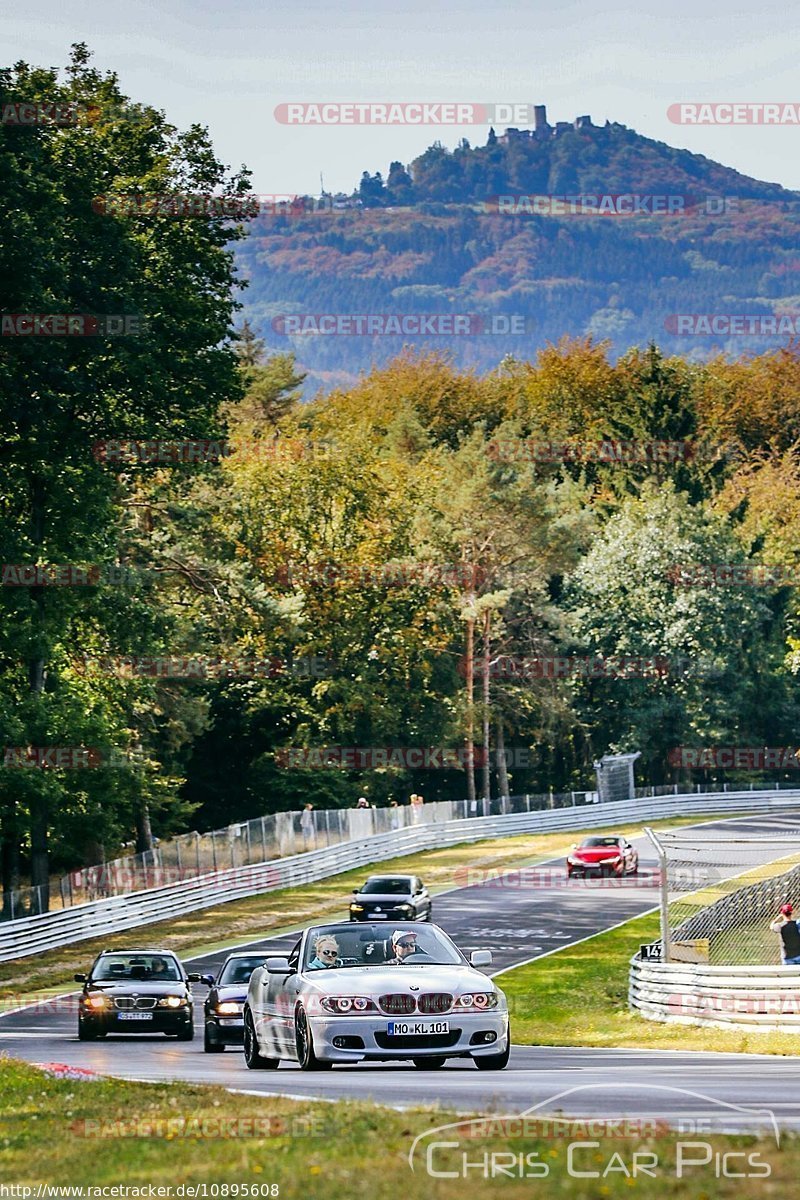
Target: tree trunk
[(502, 768), (144, 834), (9, 859), (40, 866), (469, 664), (485, 666)]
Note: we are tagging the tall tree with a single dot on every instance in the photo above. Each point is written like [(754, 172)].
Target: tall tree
[(171, 278)]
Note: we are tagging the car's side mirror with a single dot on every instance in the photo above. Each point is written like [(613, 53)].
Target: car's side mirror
[(574, 845), (480, 958), (79, 978), (277, 966), (196, 978), (355, 891)]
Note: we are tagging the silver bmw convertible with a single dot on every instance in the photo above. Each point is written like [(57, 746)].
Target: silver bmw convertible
[(364, 992)]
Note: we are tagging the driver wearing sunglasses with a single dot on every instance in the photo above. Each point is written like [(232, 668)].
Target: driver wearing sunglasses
[(326, 952), (404, 945)]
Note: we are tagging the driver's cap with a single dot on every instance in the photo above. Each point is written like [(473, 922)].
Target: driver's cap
[(399, 934)]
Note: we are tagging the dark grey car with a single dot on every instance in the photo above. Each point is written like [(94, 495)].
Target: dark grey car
[(222, 1011), (391, 898)]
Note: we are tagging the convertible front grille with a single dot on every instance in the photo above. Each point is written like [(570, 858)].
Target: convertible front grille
[(397, 1003), (128, 1002), (435, 1002)]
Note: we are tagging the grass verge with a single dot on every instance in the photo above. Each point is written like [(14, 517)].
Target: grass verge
[(103, 1133)]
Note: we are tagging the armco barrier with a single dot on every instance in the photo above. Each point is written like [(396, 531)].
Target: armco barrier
[(33, 935), (763, 998)]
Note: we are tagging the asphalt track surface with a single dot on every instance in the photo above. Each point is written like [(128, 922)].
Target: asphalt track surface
[(529, 915)]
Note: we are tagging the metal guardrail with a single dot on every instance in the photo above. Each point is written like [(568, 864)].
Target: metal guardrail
[(246, 843), (280, 835), (724, 995), (764, 998), (34, 935)]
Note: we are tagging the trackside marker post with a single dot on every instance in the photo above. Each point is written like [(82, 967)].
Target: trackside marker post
[(664, 892)]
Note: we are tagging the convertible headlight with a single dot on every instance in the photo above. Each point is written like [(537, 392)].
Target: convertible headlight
[(477, 1000), (574, 862), (97, 1000), (344, 1005), (406, 907), (229, 1006), (356, 908), (172, 1001), (615, 859)]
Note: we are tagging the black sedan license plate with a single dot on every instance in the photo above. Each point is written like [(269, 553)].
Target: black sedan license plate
[(416, 1028), (135, 1016)]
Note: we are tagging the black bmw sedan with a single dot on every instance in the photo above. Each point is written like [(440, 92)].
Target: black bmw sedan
[(136, 991)]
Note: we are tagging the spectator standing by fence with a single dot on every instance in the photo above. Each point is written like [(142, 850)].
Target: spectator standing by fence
[(416, 809), (786, 925), (307, 824)]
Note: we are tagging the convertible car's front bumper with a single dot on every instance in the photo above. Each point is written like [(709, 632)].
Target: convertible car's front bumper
[(352, 1039)]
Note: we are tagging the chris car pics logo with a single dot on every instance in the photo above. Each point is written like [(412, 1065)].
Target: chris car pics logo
[(668, 1138)]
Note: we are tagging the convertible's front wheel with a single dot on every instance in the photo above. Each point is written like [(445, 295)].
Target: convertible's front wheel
[(254, 1059), (305, 1045), (493, 1062)]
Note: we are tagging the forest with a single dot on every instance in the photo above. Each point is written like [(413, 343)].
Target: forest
[(210, 579)]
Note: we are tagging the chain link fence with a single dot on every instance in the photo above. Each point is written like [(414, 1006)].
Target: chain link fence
[(248, 843), (721, 889), (277, 835)]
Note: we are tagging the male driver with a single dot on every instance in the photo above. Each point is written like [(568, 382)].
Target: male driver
[(786, 926), (404, 945)]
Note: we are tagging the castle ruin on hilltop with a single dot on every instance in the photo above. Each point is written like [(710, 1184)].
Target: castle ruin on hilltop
[(542, 129)]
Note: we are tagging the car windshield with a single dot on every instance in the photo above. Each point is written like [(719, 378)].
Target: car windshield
[(385, 885), (368, 945), (597, 843), (239, 970), (124, 968)]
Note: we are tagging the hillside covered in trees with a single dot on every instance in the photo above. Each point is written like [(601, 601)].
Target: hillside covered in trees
[(431, 239)]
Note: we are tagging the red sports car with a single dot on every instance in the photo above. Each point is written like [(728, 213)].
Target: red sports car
[(609, 854)]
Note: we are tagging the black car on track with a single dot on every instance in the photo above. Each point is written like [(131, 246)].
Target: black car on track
[(391, 898), (136, 991), (222, 1011)]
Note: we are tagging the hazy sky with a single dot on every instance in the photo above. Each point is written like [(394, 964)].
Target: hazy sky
[(228, 65)]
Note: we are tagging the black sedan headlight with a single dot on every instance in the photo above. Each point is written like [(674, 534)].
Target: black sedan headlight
[(229, 1008), (97, 1002)]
